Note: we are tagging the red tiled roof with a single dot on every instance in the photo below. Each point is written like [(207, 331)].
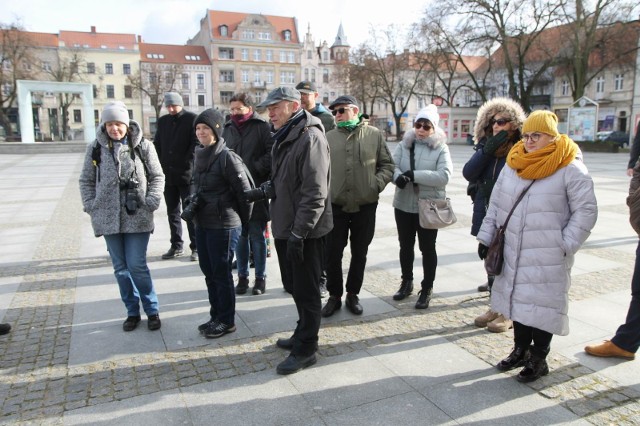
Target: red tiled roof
[(173, 54), (42, 39), (232, 19), (96, 40)]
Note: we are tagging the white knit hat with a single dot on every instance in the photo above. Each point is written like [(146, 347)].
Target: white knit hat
[(115, 111), (430, 112)]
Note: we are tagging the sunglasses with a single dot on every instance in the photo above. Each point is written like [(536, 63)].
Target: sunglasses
[(419, 126), (339, 110), (500, 121)]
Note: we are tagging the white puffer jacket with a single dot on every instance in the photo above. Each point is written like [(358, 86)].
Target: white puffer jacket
[(547, 228)]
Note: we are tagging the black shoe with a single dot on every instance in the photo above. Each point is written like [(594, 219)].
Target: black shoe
[(131, 323), (353, 304), (294, 363), (153, 323), (218, 329), (484, 287), (259, 286), (534, 368), (516, 358), (194, 255), (5, 328), (204, 326), (424, 298), (285, 343), (406, 288), (332, 305), (234, 264), (243, 285), (173, 252)]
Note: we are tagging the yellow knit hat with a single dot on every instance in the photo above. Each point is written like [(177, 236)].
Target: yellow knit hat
[(541, 121)]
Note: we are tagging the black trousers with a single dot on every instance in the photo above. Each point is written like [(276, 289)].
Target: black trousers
[(359, 228), (174, 195), (524, 335), (303, 281), (408, 225), (628, 335)]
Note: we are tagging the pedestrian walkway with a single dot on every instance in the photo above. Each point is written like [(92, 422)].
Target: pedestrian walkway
[(67, 360)]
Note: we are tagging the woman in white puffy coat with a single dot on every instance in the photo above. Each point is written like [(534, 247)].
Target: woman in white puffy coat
[(547, 228)]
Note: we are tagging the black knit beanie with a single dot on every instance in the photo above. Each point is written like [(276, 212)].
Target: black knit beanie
[(213, 119)]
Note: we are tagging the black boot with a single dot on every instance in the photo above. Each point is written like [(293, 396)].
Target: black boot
[(516, 358), (535, 367), (424, 296), (406, 288)]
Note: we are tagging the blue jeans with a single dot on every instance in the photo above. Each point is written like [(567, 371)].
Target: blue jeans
[(129, 257), (258, 246), (215, 250)]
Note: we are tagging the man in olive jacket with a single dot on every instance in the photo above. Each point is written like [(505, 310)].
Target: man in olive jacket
[(175, 141), (361, 167)]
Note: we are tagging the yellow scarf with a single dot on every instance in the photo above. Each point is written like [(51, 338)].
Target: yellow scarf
[(543, 162)]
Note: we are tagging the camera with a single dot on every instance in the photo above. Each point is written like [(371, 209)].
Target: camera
[(266, 191), (131, 196), (191, 208)]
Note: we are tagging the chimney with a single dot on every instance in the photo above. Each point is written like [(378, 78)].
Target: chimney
[(93, 29), (139, 39)]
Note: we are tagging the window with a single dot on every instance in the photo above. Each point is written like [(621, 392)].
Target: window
[(564, 87), (245, 76), (325, 56), (46, 66), (287, 77), (313, 76), (264, 36), (108, 68), (224, 30), (257, 55), (287, 35), (91, 68), (200, 80), (325, 98), (128, 91), (226, 77), (283, 56), (325, 75), (256, 77), (248, 35), (270, 77), (292, 57), (111, 92), (200, 100), (225, 53), (618, 82), (73, 68), (96, 116), (600, 84), (126, 69), (153, 78), (306, 73), (95, 91), (130, 112), (185, 80), (225, 97), (168, 78), (186, 100), (244, 54), (269, 55), (309, 54), (77, 116)]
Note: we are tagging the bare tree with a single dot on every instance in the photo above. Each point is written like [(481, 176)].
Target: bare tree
[(154, 80), (362, 83), (15, 64)]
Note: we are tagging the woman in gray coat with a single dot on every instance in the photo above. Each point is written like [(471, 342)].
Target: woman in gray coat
[(548, 226), (121, 185)]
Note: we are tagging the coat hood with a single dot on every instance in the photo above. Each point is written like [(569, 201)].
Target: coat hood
[(134, 134), (489, 109), (433, 141)]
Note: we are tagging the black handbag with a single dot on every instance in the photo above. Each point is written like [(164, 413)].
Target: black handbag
[(494, 261)]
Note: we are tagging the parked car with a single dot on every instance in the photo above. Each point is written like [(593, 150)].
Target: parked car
[(621, 138), (603, 134)]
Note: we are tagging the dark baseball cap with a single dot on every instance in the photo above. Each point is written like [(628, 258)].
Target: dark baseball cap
[(344, 100), (306, 87), (280, 94)]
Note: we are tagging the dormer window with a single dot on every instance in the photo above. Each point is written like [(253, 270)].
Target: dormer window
[(287, 35), (224, 30)]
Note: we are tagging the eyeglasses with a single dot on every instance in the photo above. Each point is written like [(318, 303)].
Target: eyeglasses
[(238, 109), (339, 110), (534, 137), (419, 126), (500, 121)]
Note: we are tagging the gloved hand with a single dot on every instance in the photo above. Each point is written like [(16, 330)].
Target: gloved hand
[(402, 181), (409, 174), (482, 251), (295, 249), (494, 142)]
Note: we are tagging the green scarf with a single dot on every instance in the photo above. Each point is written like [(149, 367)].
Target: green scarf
[(350, 125)]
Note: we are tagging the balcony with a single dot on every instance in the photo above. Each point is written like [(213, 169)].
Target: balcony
[(259, 85)]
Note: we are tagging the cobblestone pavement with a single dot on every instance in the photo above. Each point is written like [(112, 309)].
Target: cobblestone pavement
[(37, 385)]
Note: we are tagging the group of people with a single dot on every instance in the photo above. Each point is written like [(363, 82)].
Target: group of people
[(317, 176)]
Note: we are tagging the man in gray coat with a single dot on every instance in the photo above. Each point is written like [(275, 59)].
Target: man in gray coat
[(300, 216)]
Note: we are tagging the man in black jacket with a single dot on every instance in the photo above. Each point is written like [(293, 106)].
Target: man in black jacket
[(175, 141)]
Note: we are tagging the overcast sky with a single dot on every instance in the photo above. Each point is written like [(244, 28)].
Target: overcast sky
[(174, 21)]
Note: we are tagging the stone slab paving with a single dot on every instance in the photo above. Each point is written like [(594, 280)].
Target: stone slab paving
[(67, 361)]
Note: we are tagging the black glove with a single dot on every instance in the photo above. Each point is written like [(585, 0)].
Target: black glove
[(295, 249), (494, 142), (402, 181), (482, 251), (409, 174)]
